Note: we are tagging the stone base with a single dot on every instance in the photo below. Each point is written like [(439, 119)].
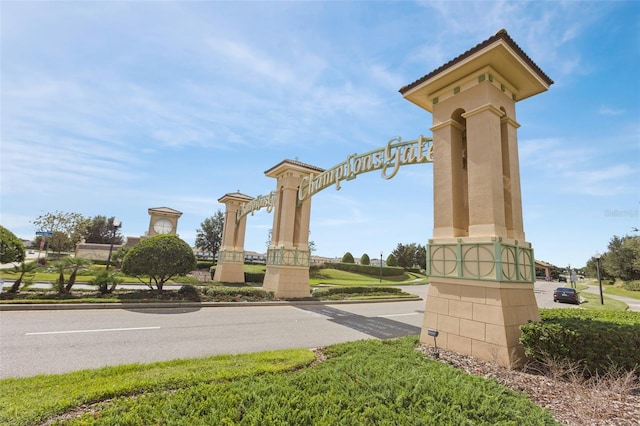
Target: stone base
[(229, 272), (479, 318), (287, 282)]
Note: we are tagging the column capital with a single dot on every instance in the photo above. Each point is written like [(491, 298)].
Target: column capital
[(487, 107)]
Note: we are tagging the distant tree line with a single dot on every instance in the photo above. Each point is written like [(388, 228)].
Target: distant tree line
[(404, 255), (621, 261)]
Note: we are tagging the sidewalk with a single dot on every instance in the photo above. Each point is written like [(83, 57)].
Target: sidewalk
[(634, 304)]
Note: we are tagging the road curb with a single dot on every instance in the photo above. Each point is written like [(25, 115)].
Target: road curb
[(187, 305)]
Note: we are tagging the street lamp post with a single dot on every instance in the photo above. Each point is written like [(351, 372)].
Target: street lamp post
[(115, 225), (597, 256), (380, 267)]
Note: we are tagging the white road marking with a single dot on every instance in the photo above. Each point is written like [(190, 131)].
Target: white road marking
[(92, 331)]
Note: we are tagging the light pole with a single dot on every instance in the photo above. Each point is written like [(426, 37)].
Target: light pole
[(115, 225), (380, 267), (597, 256)]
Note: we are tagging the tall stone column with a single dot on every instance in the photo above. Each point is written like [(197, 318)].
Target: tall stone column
[(481, 271), (288, 255), (230, 265)]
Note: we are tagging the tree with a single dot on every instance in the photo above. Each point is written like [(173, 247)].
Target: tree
[(159, 258), (68, 264), (209, 235), (406, 255), (623, 258), (391, 260), (11, 247), (99, 230), (421, 256), (348, 258), (364, 259), (106, 281), (25, 270), (68, 229)]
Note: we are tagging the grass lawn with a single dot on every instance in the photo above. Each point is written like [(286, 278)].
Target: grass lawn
[(365, 382)]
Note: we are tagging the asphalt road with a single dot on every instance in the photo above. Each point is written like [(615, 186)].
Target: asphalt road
[(42, 342)]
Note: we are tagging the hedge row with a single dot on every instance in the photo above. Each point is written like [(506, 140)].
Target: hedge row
[(387, 271), (355, 290), (234, 294), (600, 341)]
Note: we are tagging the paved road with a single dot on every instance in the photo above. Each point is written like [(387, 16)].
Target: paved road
[(37, 342)]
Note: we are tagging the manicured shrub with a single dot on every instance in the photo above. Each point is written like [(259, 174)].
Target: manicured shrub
[(598, 340), (337, 293), (348, 258), (254, 277)]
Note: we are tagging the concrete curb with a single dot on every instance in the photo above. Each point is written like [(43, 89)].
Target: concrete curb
[(188, 305)]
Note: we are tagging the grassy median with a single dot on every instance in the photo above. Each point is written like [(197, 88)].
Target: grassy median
[(364, 382)]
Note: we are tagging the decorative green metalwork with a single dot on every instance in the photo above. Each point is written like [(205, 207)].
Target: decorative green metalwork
[(484, 261), (282, 256), (231, 256)]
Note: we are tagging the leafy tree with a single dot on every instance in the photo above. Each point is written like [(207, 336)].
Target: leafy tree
[(25, 270), (348, 258), (364, 259), (118, 256), (68, 229), (391, 260), (159, 258), (209, 235), (406, 254), (99, 230), (623, 258), (11, 247), (421, 256)]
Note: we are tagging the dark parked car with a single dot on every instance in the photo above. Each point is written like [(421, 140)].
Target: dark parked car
[(562, 280), (566, 294)]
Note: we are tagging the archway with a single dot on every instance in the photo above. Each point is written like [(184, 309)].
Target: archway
[(480, 266)]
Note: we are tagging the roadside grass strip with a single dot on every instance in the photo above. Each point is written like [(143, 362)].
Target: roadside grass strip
[(365, 382), (30, 401)]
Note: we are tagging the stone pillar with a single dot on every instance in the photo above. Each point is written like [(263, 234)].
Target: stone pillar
[(481, 270), (288, 256), (230, 265)]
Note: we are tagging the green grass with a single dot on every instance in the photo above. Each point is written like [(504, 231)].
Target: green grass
[(617, 291), (365, 382), (592, 301), (344, 278), (31, 400)]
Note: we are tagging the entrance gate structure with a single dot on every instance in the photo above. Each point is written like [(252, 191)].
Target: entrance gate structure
[(481, 269)]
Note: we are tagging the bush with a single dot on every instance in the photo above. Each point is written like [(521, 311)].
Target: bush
[(188, 290), (631, 285), (11, 247), (344, 292), (106, 281), (365, 260), (600, 341), (226, 294), (254, 277), (204, 264), (348, 258)]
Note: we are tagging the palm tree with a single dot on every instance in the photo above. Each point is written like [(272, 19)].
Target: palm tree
[(75, 264), (24, 269)]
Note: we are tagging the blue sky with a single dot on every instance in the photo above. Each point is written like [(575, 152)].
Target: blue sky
[(110, 108)]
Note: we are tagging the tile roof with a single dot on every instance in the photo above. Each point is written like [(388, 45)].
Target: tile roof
[(500, 35)]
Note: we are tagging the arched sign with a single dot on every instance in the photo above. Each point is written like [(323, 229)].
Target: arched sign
[(389, 158)]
